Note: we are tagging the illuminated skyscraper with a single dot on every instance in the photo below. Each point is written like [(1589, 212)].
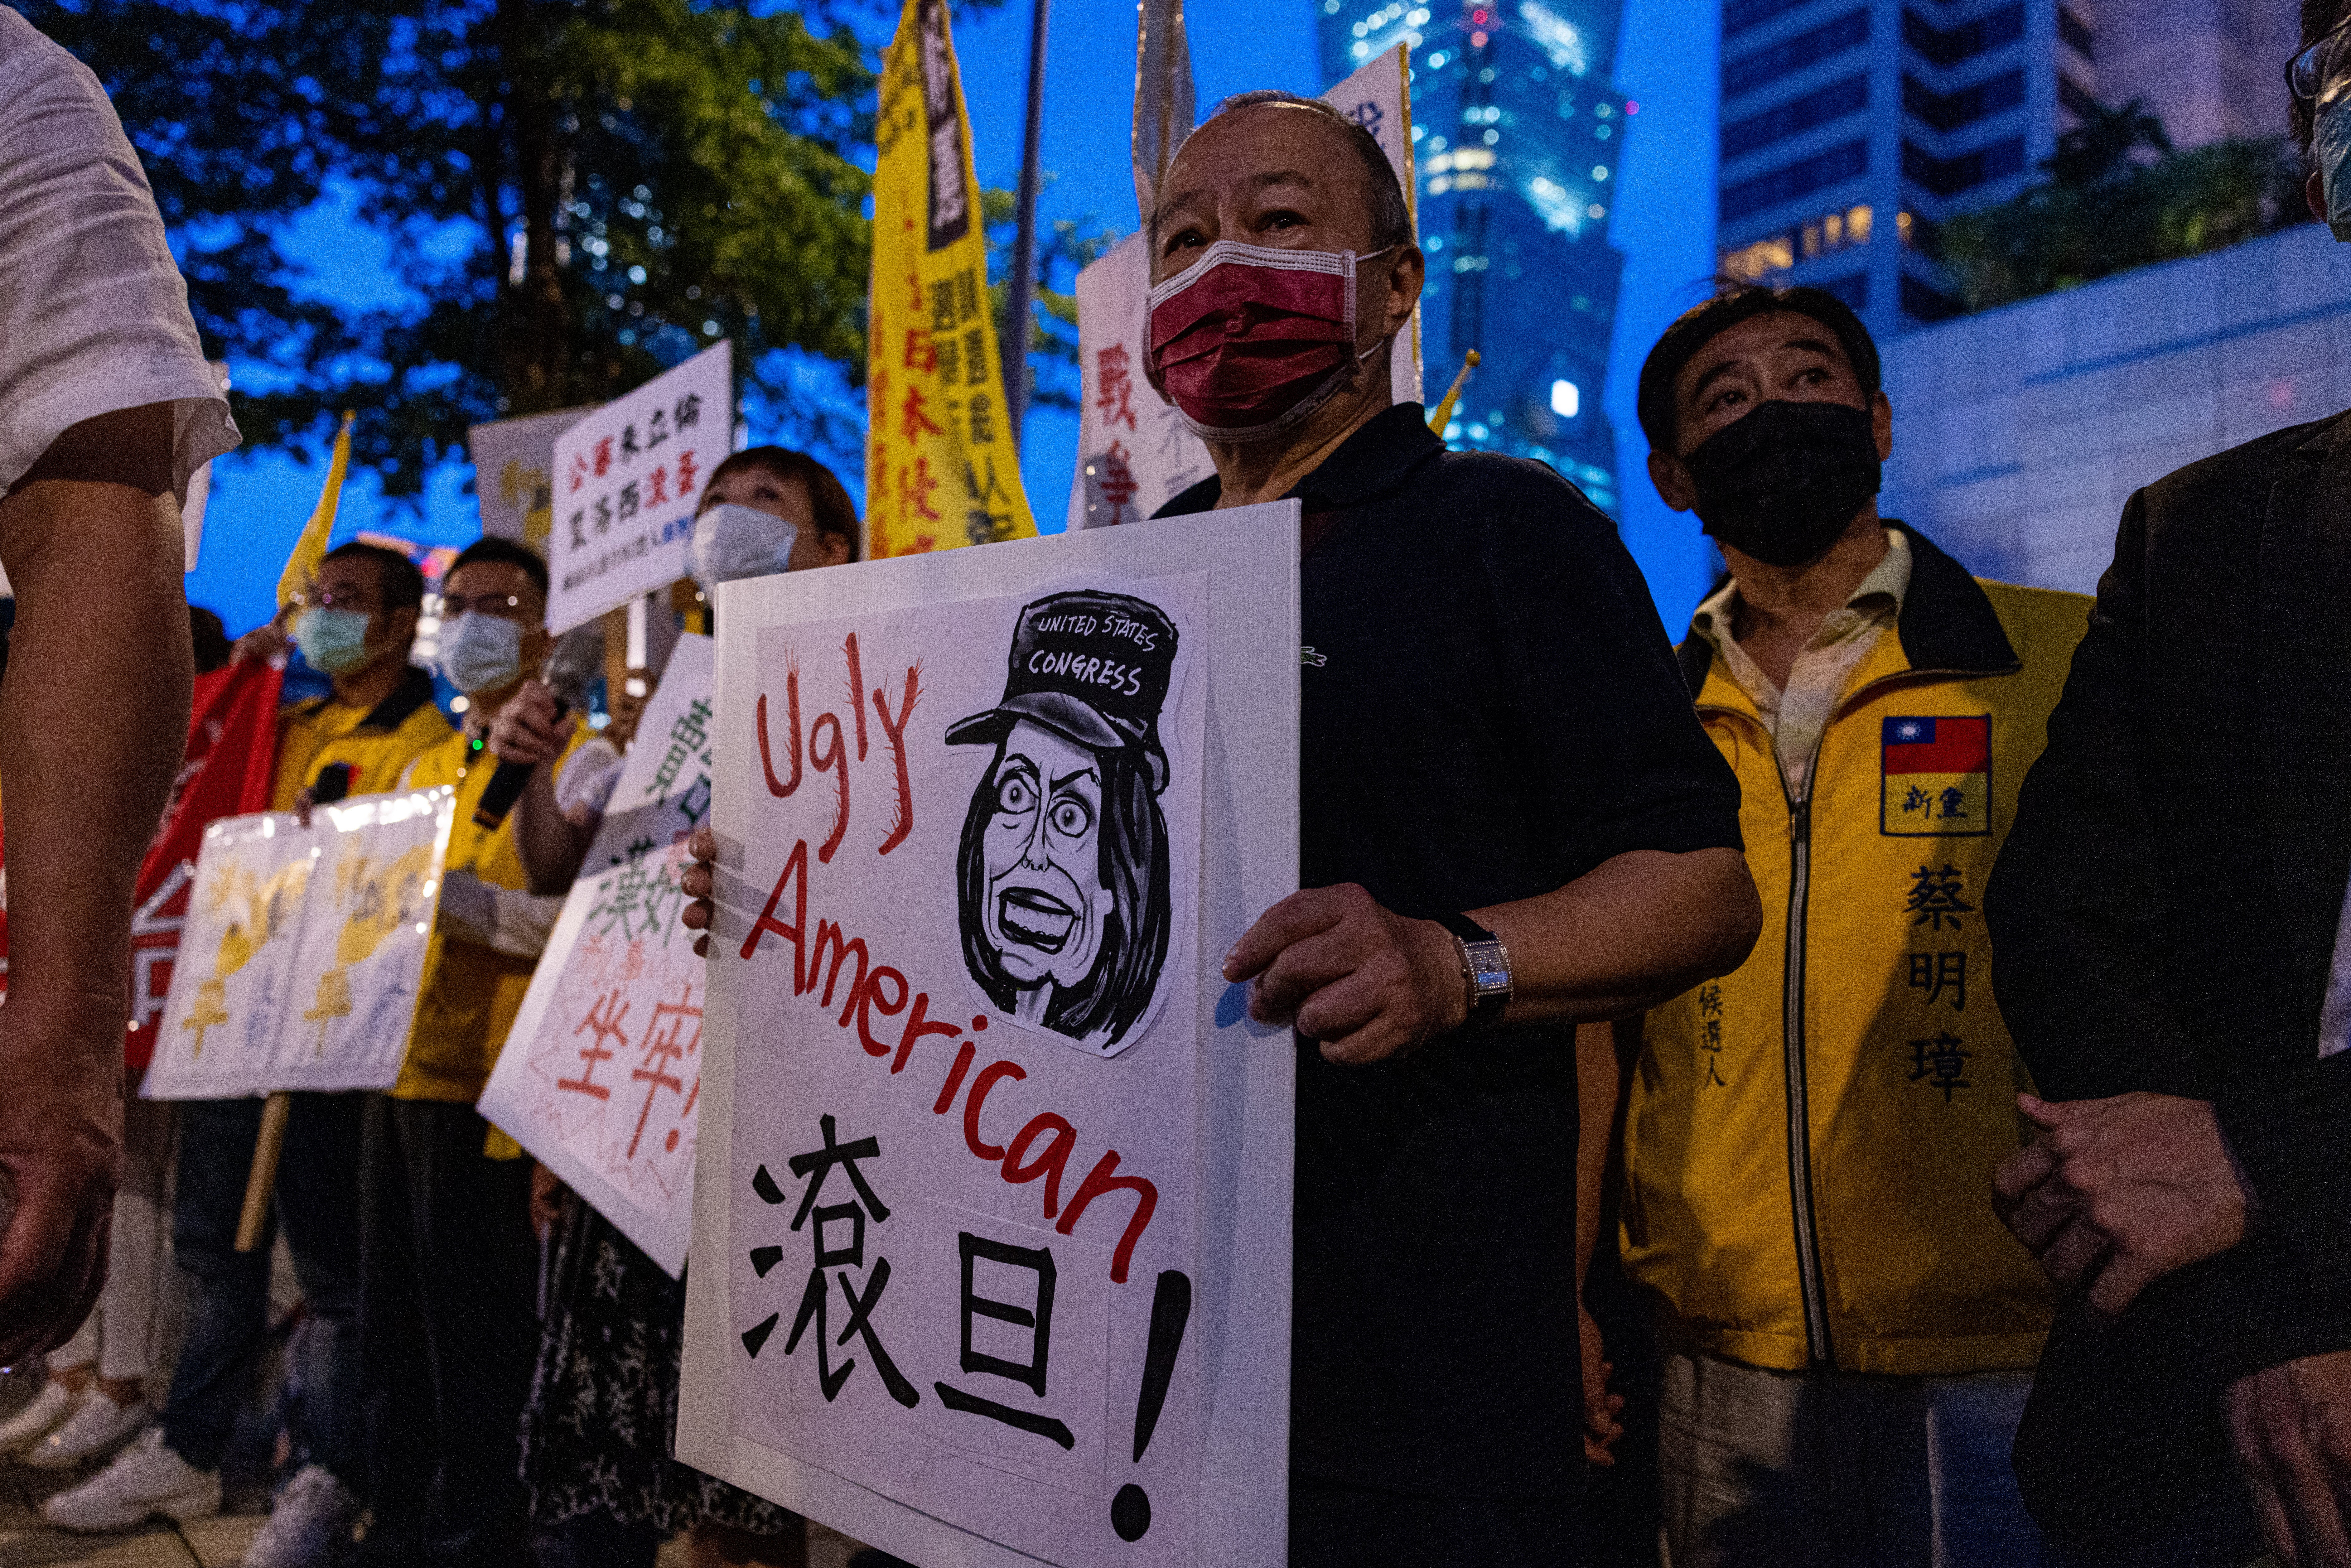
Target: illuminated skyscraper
[(1515, 132), (1852, 129)]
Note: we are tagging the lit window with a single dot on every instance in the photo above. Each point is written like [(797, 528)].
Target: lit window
[(1857, 224), (1565, 400)]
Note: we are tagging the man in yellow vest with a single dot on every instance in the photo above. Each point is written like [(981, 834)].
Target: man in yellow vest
[(357, 625), (1849, 1330), (448, 1325)]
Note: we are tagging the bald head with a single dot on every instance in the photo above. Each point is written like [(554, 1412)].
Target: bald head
[(1313, 168)]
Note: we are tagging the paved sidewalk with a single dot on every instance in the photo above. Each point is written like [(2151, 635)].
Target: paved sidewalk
[(26, 1543)]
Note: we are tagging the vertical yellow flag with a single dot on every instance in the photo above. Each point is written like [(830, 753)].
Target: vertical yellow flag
[(302, 566), (940, 467)]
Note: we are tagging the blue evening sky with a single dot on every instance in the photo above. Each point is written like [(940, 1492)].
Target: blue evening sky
[(1662, 221)]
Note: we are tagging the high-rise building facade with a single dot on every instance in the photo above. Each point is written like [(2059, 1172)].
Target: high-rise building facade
[(1852, 129), (1515, 140)]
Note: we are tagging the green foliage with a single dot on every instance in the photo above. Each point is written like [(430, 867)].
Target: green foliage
[(2117, 196), (578, 194)]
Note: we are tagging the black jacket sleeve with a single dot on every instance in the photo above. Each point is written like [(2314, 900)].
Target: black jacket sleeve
[(2106, 955)]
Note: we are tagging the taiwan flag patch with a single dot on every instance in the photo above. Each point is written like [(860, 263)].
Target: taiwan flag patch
[(1937, 776)]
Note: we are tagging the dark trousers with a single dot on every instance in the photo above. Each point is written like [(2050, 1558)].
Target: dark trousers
[(1340, 1527), (228, 1308), (449, 1329)]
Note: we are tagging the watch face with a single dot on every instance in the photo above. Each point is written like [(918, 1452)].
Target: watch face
[(1490, 967)]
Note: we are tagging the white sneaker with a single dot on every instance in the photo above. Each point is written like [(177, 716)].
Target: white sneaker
[(145, 1480), (312, 1517), (97, 1427), (37, 1419)]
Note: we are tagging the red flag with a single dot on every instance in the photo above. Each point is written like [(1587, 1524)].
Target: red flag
[(227, 772)]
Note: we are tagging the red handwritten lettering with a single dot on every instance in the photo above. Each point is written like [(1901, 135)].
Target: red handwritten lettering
[(826, 931), (902, 821), (856, 691), (915, 1028), (1018, 1169), (826, 729), (869, 998), (1103, 1178), (989, 1076), (792, 739), (796, 866), (946, 1101)]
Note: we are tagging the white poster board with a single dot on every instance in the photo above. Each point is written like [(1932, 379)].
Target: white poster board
[(601, 1074), (1134, 454), (303, 950), (514, 469), (993, 1203), (626, 479)]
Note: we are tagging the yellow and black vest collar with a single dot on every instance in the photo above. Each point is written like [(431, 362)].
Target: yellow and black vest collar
[(414, 690), (1946, 621)]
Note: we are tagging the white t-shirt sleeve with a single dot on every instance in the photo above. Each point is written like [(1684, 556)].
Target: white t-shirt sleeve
[(93, 311)]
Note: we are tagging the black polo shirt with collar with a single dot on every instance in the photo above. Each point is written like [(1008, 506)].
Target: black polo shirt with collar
[(1489, 709)]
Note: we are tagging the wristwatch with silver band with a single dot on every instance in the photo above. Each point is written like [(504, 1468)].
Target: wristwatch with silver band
[(1484, 969)]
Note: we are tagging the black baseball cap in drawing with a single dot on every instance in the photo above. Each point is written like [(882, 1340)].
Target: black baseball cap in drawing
[(1091, 667)]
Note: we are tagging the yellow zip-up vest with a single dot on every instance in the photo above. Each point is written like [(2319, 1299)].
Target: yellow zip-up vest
[(1809, 1150)]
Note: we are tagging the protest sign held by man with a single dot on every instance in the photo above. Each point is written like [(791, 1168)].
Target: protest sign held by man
[(1510, 822)]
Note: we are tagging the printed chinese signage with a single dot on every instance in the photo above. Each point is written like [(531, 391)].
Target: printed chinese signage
[(303, 949), (602, 1071), (1134, 456), (975, 1134), (626, 480), (940, 466)]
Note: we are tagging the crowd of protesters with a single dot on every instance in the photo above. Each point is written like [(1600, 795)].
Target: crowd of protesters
[(1867, 1087)]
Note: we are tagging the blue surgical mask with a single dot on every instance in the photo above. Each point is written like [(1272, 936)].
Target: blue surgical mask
[(481, 653), (2330, 147), (334, 640)]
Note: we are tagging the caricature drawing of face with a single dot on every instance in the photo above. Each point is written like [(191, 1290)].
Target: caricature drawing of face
[(1062, 888), (1045, 907)]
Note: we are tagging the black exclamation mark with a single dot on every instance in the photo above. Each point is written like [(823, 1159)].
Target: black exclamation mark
[(1171, 1309)]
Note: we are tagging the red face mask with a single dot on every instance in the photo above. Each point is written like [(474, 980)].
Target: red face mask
[(1250, 340)]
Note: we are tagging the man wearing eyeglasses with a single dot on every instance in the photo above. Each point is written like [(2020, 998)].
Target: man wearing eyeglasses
[(449, 1267), (2173, 943)]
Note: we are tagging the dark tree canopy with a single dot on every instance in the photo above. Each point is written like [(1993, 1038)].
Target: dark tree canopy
[(578, 192)]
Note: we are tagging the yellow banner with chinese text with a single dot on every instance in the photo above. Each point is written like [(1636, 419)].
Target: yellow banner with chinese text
[(940, 466)]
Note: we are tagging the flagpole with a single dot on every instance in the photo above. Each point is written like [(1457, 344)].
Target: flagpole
[(1024, 243)]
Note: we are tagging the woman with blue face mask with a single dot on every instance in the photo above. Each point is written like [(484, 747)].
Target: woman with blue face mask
[(614, 1319)]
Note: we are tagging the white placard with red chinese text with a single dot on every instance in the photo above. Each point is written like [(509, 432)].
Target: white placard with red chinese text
[(601, 1073), (626, 479), (1134, 454), (303, 949), (993, 1202)]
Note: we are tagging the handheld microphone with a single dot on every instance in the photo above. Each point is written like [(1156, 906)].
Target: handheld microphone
[(572, 668)]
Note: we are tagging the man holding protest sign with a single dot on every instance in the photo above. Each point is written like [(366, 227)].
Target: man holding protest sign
[(1510, 821)]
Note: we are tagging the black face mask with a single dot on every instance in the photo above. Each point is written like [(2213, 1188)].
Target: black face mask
[(1784, 482)]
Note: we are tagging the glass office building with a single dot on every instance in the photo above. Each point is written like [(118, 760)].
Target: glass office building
[(1516, 133), (1852, 129)]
